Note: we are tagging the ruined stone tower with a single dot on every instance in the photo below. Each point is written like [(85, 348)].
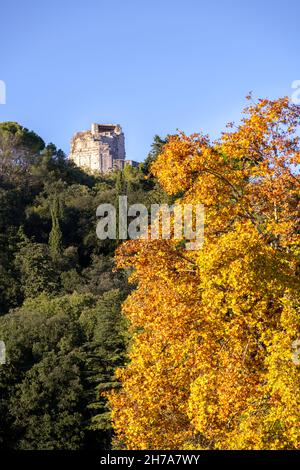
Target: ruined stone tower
[(102, 148)]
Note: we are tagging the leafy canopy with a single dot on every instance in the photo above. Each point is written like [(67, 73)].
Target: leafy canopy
[(212, 360)]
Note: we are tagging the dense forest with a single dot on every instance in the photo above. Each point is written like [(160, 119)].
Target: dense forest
[(60, 298)]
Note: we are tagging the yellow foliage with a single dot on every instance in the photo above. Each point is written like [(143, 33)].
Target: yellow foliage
[(211, 363)]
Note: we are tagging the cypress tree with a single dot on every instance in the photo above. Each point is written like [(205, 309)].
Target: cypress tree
[(55, 236)]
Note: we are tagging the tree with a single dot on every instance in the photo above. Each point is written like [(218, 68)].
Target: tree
[(48, 404), (55, 237), (107, 339), (25, 139), (10, 294), (60, 302), (212, 364), (61, 353), (18, 149), (37, 272), (156, 148)]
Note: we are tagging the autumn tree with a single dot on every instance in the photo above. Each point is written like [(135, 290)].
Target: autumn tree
[(214, 361)]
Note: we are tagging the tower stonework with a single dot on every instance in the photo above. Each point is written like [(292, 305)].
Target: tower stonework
[(101, 149)]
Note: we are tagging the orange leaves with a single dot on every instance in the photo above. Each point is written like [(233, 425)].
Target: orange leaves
[(181, 158), (211, 363)]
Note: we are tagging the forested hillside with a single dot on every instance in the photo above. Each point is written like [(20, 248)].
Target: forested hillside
[(169, 348), (60, 300)]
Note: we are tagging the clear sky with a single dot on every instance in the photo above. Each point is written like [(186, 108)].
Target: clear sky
[(152, 66)]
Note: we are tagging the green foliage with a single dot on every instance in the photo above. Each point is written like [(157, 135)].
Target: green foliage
[(55, 237), (19, 148), (37, 272), (22, 137), (47, 404), (156, 149), (60, 298), (10, 294), (60, 353)]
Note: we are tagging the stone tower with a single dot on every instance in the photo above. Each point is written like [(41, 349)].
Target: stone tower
[(102, 148)]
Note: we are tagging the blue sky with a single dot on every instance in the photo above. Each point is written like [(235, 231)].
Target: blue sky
[(151, 66)]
